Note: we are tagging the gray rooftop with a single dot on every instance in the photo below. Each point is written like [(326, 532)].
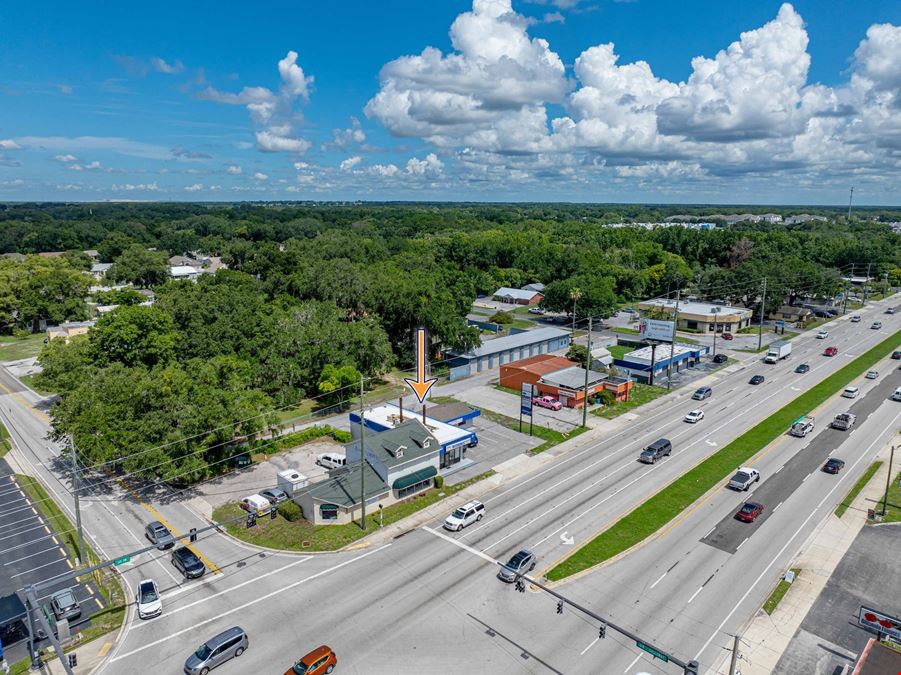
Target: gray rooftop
[(448, 411), (343, 488), (572, 378), (515, 293), (524, 339), (411, 437)]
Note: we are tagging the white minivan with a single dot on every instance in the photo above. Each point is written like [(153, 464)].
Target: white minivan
[(897, 395), (331, 460)]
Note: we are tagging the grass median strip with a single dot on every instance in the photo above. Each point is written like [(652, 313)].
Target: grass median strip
[(653, 514), (779, 592), (858, 486)]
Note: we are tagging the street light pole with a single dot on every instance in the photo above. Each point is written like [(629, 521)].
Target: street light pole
[(75, 490), (762, 310), (716, 312), (672, 345), (575, 295), (587, 368), (888, 481), (362, 462)]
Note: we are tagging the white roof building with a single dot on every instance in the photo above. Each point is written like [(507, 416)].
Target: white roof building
[(183, 272)]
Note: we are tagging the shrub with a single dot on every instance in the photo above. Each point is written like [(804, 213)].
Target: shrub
[(502, 317), (290, 511), (21, 333), (439, 482), (304, 436), (607, 397)]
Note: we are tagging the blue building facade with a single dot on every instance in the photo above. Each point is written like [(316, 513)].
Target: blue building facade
[(493, 353)]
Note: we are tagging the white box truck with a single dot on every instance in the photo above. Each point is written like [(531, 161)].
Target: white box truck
[(777, 351)]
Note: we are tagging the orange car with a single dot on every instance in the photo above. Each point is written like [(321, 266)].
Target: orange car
[(320, 660)]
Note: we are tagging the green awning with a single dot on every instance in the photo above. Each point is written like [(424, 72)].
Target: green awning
[(415, 477)]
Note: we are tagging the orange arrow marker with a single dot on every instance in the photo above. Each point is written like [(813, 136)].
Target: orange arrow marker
[(420, 385)]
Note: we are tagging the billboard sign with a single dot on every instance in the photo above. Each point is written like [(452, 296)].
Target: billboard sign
[(654, 329), (879, 622), (525, 399)]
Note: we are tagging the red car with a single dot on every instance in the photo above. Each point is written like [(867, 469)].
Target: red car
[(749, 512), (547, 402), (727, 336), (830, 351)]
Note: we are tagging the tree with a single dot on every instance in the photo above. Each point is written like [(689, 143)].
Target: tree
[(51, 291), (141, 267), (133, 335), (119, 296), (336, 383), (597, 297), (501, 317), (114, 245), (579, 354), (64, 366)]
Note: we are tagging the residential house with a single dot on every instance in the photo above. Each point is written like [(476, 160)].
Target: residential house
[(517, 296), (69, 329)]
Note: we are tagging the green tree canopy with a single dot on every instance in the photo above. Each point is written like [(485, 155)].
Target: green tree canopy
[(141, 267)]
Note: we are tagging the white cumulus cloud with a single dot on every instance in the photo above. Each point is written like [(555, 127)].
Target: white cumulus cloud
[(9, 144), (350, 163), (260, 176), (196, 187), (234, 170)]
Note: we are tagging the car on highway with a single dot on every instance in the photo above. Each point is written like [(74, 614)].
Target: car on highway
[(521, 563), (147, 600), (855, 318), (744, 478), (187, 562), (694, 416), (822, 335), (65, 605), (749, 511), (536, 310), (469, 513), (757, 379), (274, 495), (896, 354), (803, 368), (229, 644), (802, 427), (701, 393), (656, 450), (727, 336), (830, 351), (872, 374), (890, 310), (851, 392), (159, 534), (876, 325), (720, 358), (320, 660), (833, 465), (548, 402)]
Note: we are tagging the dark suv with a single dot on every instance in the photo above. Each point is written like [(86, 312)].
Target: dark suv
[(187, 562), (656, 450)]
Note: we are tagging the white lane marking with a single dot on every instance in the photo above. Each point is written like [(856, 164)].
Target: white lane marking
[(232, 610), (790, 540), (777, 507), (187, 587), (457, 542), (709, 533), (806, 477), (590, 645), (169, 612), (695, 594), (660, 579), (741, 544), (630, 666), (779, 469), (11, 562)]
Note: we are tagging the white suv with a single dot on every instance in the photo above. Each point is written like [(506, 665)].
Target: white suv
[(822, 335), (467, 514)]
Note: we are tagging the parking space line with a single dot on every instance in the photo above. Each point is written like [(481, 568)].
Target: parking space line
[(25, 557), (29, 571)]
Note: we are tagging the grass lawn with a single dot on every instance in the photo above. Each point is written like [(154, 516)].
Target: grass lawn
[(509, 390), (520, 323), (5, 443), (13, 348), (641, 394), (300, 535), (776, 596), (858, 486), (893, 504), (624, 330), (619, 351), (661, 508), (684, 339)]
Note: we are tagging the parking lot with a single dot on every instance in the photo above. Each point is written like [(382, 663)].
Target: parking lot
[(31, 552)]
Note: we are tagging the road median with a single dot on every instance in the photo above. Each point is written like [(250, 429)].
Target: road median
[(654, 513)]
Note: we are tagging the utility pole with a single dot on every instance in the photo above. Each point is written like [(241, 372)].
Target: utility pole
[(75, 489), (888, 480), (362, 462), (762, 310), (866, 285), (736, 639), (587, 368), (716, 313), (672, 344), (885, 287), (575, 295), (850, 199)]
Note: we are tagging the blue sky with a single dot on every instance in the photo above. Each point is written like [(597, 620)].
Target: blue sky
[(543, 100)]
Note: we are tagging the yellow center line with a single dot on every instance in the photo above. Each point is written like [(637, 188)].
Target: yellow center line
[(175, 533), (37, 412), (105, 648)]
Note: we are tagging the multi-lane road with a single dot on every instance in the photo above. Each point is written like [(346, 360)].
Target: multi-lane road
[(429, 601)]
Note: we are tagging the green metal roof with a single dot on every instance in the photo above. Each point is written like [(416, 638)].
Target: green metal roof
[(344, 487), (415, 477)]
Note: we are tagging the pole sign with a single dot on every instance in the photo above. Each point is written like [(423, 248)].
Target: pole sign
[(656, 653), (654, 329), (525, 399), (879, 622), (780, 323)]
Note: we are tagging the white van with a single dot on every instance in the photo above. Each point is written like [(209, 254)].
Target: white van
[(850, 392), (256, 504), (331, 460), (897, 395)]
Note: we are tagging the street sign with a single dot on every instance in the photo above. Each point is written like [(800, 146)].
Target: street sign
[(653, 652), (121, 561), (780, 323), (525, 399)]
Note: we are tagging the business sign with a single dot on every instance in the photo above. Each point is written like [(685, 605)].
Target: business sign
[(654, 329), (879, 622), (780, 323), (525, 399)]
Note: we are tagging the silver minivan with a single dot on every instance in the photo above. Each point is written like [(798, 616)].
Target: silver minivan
[(216, 651)]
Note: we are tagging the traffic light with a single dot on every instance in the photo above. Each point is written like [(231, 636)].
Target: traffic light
[(73, 659), (272, 513), (602, 631), (520, 585), (251, 520), (559, 607), (193, 535), (691, 668)]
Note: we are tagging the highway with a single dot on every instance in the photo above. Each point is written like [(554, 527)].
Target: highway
[(429, 601)]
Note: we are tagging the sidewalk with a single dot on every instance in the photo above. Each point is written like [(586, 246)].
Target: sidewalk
[(768, 636)]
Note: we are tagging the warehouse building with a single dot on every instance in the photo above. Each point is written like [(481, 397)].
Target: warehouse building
[(495, 352), (638, 363)]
